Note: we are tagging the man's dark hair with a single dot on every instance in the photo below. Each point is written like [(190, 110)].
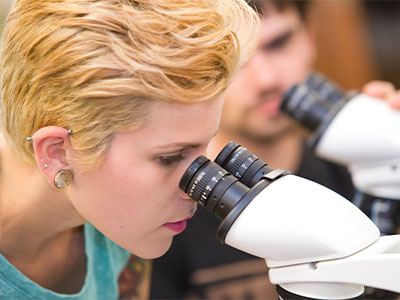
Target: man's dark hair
[(300, 5)]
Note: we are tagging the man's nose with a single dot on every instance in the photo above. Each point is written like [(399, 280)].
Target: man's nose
[(265, 74)]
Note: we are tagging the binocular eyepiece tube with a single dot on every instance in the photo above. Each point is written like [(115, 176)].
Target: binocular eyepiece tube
[(225, 186)]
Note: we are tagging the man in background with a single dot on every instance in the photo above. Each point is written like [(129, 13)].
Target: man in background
[(197, 266)]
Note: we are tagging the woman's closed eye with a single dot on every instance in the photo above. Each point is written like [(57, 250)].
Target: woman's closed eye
[(170, 159)]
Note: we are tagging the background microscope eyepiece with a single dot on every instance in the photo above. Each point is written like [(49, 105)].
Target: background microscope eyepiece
[(324, 87), (314, 102)]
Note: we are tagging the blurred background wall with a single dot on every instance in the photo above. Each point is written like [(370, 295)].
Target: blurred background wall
[(4, 7), (383, 27), (357, 40)]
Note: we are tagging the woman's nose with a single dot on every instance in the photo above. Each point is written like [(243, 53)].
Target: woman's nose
[(184, 195)]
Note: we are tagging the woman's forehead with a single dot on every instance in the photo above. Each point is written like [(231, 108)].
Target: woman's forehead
[(177, 125)]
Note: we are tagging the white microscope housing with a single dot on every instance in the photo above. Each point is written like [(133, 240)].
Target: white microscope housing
[(356, 131), (364, 136), (316, 243)]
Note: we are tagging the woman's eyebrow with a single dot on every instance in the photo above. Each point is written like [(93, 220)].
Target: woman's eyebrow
[(177, 146), (181, 145)]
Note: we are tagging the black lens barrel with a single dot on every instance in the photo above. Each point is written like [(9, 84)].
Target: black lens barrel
[(242, 163), (226, 186), (327, 89), (305, 106), (212, 187), (312, 102), (219, 185)]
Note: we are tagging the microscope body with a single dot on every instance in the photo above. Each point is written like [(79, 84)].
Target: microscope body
[(321, 247), (356, 131), (316, 243), (322, 226), (363, 135)]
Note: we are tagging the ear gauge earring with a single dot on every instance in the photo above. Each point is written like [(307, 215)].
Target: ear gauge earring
[(63, 178)]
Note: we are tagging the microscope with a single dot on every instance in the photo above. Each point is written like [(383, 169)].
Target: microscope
[(317, 244), (359, 132)]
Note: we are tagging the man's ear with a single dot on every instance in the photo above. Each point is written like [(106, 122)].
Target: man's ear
[(52, 146)]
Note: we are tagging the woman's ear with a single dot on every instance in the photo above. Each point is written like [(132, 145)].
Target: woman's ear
[(52, 146)]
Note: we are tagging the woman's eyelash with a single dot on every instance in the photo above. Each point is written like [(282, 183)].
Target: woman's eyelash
[(169, 160)]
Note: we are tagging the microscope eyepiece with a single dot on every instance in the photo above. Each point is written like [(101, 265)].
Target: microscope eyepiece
[(242, 163), (305, 106), (314, 104), (212, 187), (191, 171), (226, 152), (326, 88)]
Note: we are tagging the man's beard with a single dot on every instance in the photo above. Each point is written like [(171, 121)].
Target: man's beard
[(264, 130), (244, 132), (262, 138)]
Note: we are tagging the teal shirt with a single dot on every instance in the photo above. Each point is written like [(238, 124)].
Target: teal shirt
[(105, 261)]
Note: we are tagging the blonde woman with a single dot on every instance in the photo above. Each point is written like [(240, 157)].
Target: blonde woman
[(104, 105)]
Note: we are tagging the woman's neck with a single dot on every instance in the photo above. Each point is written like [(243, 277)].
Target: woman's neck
[(32, 212), (38, 223)]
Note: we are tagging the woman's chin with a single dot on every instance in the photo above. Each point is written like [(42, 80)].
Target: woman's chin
[(153, 250)]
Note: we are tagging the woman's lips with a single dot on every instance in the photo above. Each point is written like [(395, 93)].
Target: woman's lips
[(177, 227), (180, 226)]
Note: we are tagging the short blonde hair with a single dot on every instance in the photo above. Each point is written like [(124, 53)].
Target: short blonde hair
[(94, 66)]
